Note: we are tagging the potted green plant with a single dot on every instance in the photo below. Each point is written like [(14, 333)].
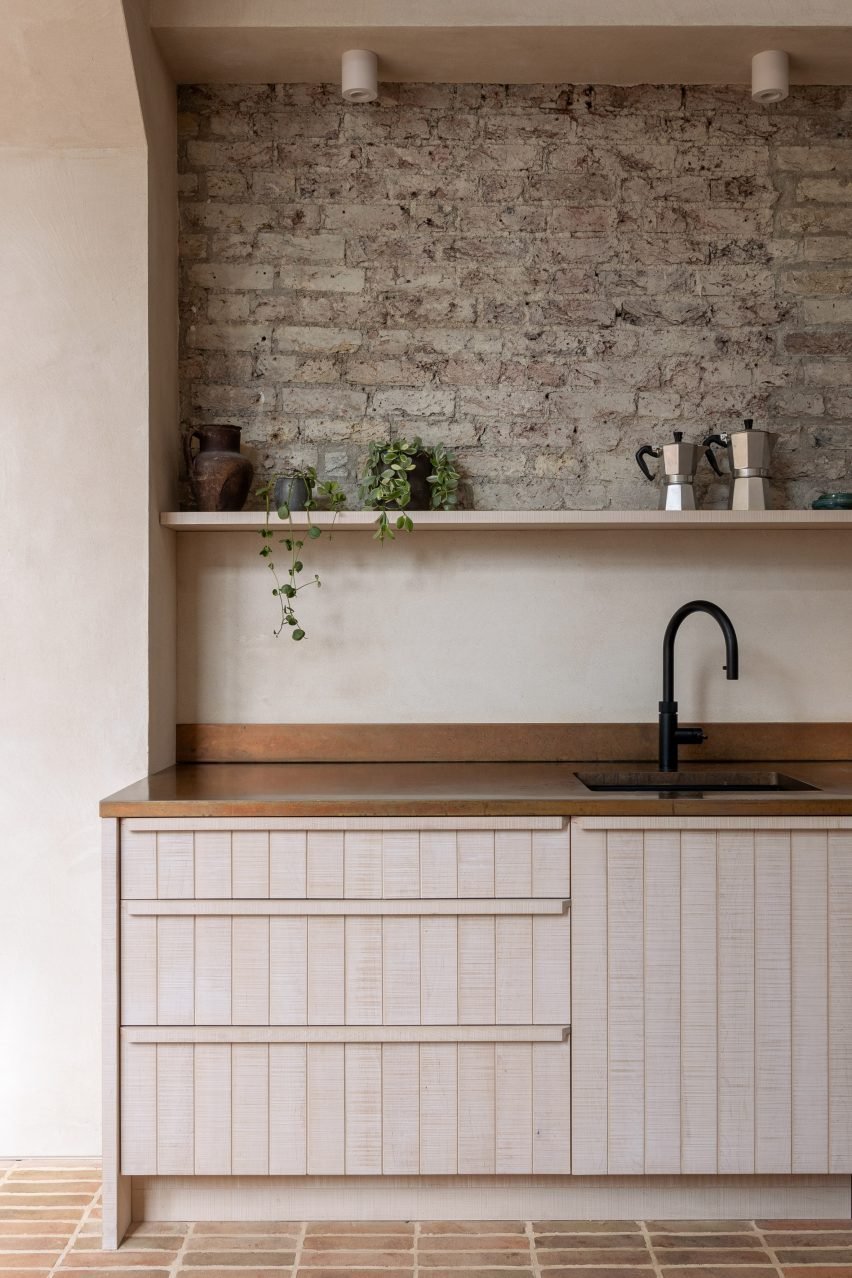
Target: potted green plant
[(300, 490), (404, 475)]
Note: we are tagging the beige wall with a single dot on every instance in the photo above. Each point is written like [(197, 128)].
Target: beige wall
[(74, 510), (517, 627)]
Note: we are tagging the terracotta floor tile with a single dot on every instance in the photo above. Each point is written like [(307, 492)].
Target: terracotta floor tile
[(816, 1271), (589, 1242), (344, 1258), (242, 1243), (224, 1259), (348, 1272), (69, 1215), (665, 1242), (699, 1226), (800, 1224), (253, 1272), (823, 1238), (114, 1273), (721, 1271), (544, 1227), (614, 1271), (55, 1175), (121, 1259), (212, 1227), (575, 1256), (358, 1242), (32, 1242), (27, 1273), (20, 1228), (713, 1256), (360, 1227), (472, 1227), (814, 1256), (491, 1273), (472, 1259), (470, 1242), (18, 1199), (41, 1259)]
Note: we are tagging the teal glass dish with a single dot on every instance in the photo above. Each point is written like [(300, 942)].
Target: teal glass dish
[(833, 501)]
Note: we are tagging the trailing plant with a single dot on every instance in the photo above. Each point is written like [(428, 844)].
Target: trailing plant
[(386, 486), (287, 585)]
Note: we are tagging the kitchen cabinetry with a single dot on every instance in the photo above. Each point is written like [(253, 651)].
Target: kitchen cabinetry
[(332, 997), (712, 995)]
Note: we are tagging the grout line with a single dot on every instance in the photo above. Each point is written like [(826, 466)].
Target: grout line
[(300, 1243), (769, 1250), (416, 1250), (178, 1260), (76, 1232), (534, 1261), (643, 1226)]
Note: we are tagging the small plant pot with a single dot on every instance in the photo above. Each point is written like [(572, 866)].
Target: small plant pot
[(418, 482), (290, 491)]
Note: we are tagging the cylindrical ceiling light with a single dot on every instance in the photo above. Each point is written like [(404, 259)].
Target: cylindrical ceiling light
[(770, 76), (360, 77)]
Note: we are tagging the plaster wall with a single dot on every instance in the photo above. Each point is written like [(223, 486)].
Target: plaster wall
[(75, 649)]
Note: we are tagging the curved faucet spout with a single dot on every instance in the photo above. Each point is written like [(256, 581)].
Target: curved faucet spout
[(671, 736)]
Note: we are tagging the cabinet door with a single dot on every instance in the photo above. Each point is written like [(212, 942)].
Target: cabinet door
[(711, 999)]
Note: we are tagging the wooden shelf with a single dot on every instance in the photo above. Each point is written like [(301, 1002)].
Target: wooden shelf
[(523, 520)]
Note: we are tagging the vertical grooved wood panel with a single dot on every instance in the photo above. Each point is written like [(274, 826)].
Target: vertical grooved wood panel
[(772, 998), (809, 853), (400, 864), (362, 868), (476, 1151), (175, 865), (250, 975), (513, 1108), (625, 1000), (250, 864), (288, 863), (287, 1109), (139, 865), (439, 971), (736, 1000), (438, 1109), (438, 863), (326, 1130), (589, 1010), (326, 998), (288, 971), (513, 964), (400, 1069), (551, 862), (551, 1115), (513, 863), (212, 1083), (212, 864), (139, 1109), (138, 970), (401, 971), (175, 1110), (551, 969), (475, 863), (363, 1108), (477, 988), (363, 958), (175, 970), (250, 1109), (212, 971), (699, 1071), (325, 863), (662, 1001), (840, 1000)]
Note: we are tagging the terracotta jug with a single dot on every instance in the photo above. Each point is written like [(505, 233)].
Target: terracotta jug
[(219, 475)]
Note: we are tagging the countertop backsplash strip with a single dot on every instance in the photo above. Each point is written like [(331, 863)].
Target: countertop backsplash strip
[(541, 277)]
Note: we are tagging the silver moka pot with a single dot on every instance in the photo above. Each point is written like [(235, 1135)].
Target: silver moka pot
[(749, 452), (677, 473)]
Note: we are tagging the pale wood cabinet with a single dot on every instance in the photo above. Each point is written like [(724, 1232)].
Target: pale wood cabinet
[(712, 996)]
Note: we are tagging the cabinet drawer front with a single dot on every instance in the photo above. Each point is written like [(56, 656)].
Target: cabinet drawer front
[(444, 962), (345, 1108), (470, 857)]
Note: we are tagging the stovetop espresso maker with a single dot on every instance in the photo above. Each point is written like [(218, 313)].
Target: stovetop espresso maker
[(677, 473), (749, 452)]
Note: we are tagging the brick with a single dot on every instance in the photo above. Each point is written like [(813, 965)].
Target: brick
[(228, 337), (316, 338), (825, 190), (224, 275), (322, 280), (426, 402)]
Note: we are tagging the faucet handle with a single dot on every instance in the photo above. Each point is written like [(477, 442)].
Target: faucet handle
[(690, 736)]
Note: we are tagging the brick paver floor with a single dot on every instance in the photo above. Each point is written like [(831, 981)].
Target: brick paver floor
[(50, 1213)]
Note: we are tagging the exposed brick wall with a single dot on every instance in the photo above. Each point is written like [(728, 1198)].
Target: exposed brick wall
[(543, 277)]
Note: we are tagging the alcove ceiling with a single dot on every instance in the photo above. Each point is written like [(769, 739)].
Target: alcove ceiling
[(503, 41)]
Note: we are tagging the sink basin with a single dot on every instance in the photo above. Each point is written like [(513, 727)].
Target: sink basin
[(692, 782)]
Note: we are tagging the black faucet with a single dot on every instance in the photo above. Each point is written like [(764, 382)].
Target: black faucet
[(671, 736)]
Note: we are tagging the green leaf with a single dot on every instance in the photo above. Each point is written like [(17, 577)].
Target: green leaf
[(298, 566), (298, 634), (314, 532), (288, 591), (283, 512), (275, 591)]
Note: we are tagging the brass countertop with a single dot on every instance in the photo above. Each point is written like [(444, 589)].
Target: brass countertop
[(455, 789)]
